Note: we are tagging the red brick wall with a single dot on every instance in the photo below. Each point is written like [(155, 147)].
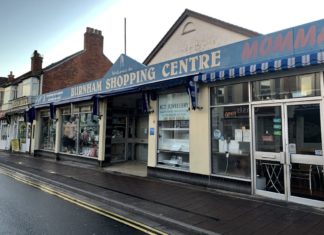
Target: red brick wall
[(82, 68), (91, 64)]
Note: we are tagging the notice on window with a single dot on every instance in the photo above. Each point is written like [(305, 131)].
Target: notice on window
[(174, 106)]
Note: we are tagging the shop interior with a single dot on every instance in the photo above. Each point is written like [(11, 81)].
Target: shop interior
[(127, 132)]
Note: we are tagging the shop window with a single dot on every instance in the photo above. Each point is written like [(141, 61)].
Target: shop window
[(4, 131), (80, 132), (69, 132), (1, 97), (231, 94), (230, 135), (89, 135), (173, 130), (22, 132), (307, 85), (48, 133)]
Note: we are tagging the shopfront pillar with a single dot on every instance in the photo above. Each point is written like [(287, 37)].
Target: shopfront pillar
[(200, 135), (58, 124), (102, 129), (36, 128), (152, 138)]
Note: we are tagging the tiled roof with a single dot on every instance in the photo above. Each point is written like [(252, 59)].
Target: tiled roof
[(53, 65), (30, 74)]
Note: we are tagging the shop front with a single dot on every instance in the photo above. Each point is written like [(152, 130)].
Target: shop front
[(266, 115), (4, 131), (67, 130), (18, 132), (288, 134), (246, 117), (86, 123), (269, 131), (126, 129)]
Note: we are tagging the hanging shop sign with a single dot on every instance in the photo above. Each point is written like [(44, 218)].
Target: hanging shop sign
[(127, 73)]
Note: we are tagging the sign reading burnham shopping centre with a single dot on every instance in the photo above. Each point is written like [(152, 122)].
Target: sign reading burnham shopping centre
[(294, 41)]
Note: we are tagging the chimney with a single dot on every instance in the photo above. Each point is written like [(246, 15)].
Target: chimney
[(11, 77), (93, 40), (36, 62)]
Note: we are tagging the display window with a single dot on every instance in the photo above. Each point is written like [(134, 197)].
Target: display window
[(80, 132), (4, 130), (22, 131), (48, 132), (173, 130), (230, 134)]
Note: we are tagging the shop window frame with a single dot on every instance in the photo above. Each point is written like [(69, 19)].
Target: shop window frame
[(178, 157), (247, 104), (76, 112)]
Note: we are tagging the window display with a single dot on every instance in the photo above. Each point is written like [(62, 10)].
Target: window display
[(231, 137), (173, 138), (88, 135), (80, 132), (48, 133)]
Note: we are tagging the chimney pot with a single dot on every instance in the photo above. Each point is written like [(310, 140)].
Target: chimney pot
[(36, 62), (11, 76), (93, 40)]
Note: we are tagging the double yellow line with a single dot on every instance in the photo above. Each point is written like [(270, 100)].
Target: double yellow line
[(134, 224)]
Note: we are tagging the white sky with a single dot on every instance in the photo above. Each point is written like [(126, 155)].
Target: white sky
[(149, 20)]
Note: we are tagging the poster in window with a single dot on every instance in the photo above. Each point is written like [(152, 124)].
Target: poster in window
[(174, 106)]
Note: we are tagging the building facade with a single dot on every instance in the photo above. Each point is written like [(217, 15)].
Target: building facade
[(245, 116), (20, 93)]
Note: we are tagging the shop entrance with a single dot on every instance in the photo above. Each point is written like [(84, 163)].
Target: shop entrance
[(288, 153), (129, 129)]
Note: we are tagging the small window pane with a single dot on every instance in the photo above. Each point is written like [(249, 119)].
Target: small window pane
[(230, 94), (307, 85)]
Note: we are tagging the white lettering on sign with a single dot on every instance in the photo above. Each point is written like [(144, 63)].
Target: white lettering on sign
[(88, 88), (133, 78), (192, 64)]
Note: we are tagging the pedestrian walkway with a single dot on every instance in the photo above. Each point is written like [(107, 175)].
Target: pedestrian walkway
[(173, 207)]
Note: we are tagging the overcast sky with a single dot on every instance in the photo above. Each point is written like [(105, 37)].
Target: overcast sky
[(55, 27)]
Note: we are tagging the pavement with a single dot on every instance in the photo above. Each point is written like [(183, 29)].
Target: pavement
[(170, 207)]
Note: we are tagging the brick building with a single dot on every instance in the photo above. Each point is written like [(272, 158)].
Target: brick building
[(85, 65), (18, 94)]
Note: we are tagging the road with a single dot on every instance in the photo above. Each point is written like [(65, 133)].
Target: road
[(27, 210)]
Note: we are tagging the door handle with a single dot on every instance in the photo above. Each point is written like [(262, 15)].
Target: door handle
[(268, 157)]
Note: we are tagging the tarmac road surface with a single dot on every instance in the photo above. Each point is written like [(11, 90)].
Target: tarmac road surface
[(27, 210)]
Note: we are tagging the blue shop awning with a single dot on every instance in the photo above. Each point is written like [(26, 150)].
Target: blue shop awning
[(279, 64), (41, 106), (73, 100), (163, 84)]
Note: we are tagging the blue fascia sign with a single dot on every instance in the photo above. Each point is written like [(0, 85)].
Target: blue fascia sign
[(298, 40)]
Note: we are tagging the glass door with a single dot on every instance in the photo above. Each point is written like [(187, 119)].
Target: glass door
[(269, 151), (288, 153), (304, 153), (118, 139)]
